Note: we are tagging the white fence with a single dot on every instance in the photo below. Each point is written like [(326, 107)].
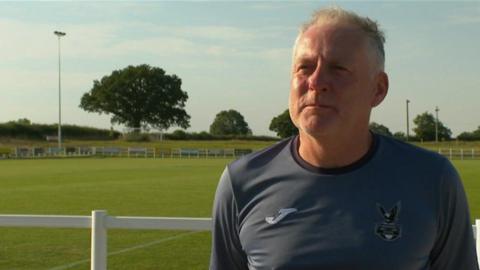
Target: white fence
[(40, 152), (460, 153), (100, 222), (144, 152), (130, 152)]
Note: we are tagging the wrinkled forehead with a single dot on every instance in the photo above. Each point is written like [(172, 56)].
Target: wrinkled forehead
[(330, 38)]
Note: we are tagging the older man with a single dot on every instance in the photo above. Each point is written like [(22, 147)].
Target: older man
[(337, 196)]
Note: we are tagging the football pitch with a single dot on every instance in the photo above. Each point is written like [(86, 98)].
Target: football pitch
[(123, 187)]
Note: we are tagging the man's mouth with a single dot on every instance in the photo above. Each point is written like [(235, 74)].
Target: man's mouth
[(319, 106)]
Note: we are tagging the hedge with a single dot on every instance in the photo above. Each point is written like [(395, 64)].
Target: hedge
[(41, 131)]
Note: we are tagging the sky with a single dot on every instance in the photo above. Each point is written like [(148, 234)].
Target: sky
[(230, 55)]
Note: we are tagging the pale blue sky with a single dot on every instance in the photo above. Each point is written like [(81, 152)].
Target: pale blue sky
[(230, 55)]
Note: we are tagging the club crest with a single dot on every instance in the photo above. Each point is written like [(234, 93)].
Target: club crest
[(389, 230)]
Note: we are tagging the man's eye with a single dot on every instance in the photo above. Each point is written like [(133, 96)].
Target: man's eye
[(339, 67), (304, 67)]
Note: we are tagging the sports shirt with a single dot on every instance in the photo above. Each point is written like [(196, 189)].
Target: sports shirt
[(399, 207)]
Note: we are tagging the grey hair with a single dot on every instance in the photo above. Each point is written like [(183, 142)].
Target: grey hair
[(370, 28)]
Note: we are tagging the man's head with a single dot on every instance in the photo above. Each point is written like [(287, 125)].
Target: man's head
[(337, 73)]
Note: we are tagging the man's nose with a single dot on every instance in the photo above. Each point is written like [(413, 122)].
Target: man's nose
[(318, 80)]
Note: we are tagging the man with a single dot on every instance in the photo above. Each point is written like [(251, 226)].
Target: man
[(337, 196)]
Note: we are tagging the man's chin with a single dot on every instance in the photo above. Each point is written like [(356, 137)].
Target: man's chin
[(318, 131)]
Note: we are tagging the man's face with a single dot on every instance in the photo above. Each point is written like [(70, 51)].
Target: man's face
[(334, 82)]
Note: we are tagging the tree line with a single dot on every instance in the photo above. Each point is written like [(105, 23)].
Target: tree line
[(145, 97), (25, 129), (425, 129)]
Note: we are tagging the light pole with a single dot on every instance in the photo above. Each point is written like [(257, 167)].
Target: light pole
[(408, 128), (436, 123), (59, 35)]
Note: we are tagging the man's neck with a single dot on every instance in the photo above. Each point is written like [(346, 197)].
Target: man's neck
[(333, 151)]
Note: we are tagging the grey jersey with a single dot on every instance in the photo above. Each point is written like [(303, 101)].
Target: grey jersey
[(399, 207)]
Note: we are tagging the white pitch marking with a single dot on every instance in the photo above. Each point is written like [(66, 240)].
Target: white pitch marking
[(69, 265)]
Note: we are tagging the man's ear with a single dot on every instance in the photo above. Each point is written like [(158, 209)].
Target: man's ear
[(381, 89)]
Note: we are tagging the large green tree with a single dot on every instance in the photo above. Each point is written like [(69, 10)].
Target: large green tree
[(425, 128), (379, 129), (139, 96), (229, 122), (283, 125)]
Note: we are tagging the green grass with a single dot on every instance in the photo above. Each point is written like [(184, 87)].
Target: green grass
[(134, 187), (140, 187), (470, 173), (76, 186)]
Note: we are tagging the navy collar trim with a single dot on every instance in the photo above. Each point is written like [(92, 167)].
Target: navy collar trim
[(334, 171)]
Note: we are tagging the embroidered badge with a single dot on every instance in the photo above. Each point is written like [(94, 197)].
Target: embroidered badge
[(389, 230)]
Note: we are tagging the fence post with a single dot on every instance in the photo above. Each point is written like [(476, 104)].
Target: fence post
[(477, 236), (450, 153), (461, 153), (99, 241)]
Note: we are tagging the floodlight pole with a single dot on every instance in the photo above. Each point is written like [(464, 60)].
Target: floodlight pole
[(408, 128), (436, 124), (59, 35)]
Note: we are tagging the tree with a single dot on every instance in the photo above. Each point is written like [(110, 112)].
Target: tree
[(400, 136), (470, 136), (380, 129), (283, 125), (425, 128), (139, 96), (22, 121), (229, 122)]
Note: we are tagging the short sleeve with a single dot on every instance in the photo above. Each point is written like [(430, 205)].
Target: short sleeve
[(455, 246), (227, 252)]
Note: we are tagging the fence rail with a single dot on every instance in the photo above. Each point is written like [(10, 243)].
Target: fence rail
[(100, 222), (460, 153), (145, 152), (130, 152)]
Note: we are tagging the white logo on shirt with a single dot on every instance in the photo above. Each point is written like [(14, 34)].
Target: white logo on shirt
[(282, 213)]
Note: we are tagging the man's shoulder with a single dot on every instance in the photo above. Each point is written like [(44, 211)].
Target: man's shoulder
[(408, 153), (260, 159)]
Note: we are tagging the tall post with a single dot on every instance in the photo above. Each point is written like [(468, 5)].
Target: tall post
[(408, 122), (436, 124), (59, 35)]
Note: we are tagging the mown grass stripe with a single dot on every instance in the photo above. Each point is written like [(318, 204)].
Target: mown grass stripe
[(73, 264)]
